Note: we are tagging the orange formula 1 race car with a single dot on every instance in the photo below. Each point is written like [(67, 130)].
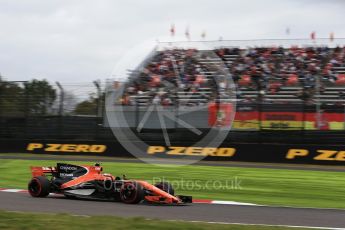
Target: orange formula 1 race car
[(88, 182)]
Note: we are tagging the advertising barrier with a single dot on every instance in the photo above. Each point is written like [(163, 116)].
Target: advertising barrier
[(255, 120), (248, 152)]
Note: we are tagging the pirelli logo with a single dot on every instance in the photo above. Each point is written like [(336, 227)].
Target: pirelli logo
[(319, 155), (191, 151), (73, 148)]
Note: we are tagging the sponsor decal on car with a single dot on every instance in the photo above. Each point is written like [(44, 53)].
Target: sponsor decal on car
[(70, 168), (66, 175)]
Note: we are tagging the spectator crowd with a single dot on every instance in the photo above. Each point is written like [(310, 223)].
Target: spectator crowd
[(270, 68), (265, 69)]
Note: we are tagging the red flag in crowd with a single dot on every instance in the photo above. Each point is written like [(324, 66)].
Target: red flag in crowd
[(172, 29), (312, 35), (331, 36)]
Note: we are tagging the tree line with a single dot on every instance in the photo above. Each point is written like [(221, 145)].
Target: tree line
[(39, 97)]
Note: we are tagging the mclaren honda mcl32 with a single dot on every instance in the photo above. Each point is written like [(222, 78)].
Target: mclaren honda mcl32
[(88, 182)]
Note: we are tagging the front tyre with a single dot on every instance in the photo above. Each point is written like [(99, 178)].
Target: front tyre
[(39, 186), (131, 193)]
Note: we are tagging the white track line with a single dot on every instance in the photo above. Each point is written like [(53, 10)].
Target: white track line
[(265, 225), (232, 203), (13, 190)]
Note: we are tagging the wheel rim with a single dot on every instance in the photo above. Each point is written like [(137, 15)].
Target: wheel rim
[(35, 187), (128, 192)]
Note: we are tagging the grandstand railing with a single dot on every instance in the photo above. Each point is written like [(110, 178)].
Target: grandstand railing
[(283, 42)]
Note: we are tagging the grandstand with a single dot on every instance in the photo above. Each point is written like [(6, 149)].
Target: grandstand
[(272, 74), (295, 88), (178, 77), (282, 74)]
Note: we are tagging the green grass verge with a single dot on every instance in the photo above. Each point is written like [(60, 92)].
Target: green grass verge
[(261, 186), (12, 220)]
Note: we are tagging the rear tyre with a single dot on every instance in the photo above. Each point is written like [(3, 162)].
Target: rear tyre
[(166, 187), (131, 193), (39, 186)]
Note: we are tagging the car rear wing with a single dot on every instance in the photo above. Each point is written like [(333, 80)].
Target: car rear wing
[(41, 171)]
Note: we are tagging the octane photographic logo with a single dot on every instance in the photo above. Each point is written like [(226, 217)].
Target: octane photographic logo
[(163, 96), (230, 184)]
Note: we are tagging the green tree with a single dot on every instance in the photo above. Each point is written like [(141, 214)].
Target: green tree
[(33, 97), (11, 99), (40, 96), (87, 107)]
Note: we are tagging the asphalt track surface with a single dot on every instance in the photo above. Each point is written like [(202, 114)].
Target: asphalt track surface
[(330, 218)]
